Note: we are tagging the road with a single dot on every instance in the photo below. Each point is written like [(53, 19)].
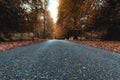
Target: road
[(59, 60)]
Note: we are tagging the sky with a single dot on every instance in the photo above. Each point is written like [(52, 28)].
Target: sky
[(53, 8)]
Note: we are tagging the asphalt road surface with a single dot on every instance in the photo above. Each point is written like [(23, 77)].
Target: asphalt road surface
[(59, 60)]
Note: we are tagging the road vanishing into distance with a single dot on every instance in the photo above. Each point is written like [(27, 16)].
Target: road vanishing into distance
[(59, 60)]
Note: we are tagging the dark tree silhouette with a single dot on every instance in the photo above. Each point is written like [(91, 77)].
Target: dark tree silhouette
[(109, 19)]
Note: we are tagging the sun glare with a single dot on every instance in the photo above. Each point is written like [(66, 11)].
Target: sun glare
[(27, 7), (53, 8)]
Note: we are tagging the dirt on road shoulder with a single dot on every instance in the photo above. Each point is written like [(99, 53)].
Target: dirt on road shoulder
[(11, 45), (107, 45)]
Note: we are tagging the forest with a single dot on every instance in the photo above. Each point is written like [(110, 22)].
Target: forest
[(25, 16), (97, 18)]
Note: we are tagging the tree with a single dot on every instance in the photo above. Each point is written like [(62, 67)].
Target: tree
[(108, 18), (19, 15), (77, 14), (49, 25), (22, 16)]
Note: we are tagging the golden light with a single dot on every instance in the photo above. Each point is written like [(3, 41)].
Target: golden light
[(53, 8)]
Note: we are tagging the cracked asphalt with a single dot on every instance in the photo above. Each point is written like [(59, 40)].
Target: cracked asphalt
[(59, 60)]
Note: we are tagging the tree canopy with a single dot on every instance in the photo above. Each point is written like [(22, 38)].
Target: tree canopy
[(19, 15), (89, 15), (109, 19)]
